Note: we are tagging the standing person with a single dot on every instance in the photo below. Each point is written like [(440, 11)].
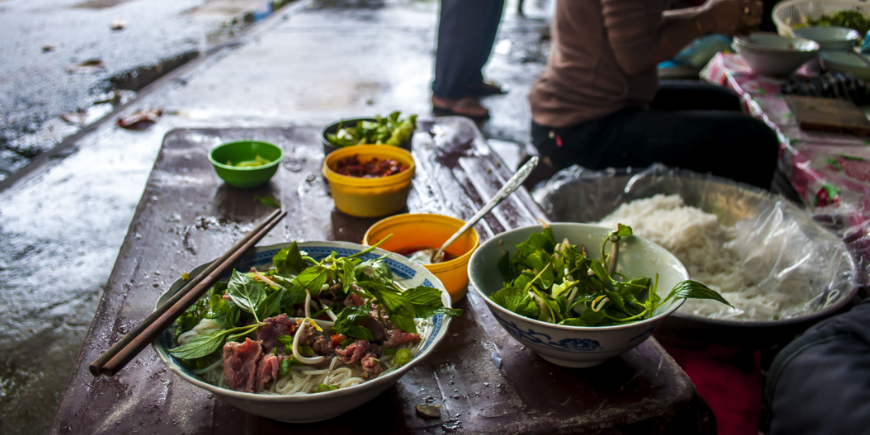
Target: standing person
[(466, 33), (598, 102)]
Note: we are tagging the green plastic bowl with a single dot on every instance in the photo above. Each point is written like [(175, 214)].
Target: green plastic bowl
[(241, 151)]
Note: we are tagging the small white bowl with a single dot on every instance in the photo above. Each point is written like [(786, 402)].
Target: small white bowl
[(769, 54), (578, 346), (320, 406), (829, 38), (849, 63)]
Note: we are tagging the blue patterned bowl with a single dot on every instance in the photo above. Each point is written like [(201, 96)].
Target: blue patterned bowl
[(577, 346), (326, 405)]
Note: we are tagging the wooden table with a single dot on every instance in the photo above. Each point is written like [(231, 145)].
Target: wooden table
[(485, 380)]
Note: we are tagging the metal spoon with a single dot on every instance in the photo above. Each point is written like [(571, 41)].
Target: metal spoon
[(437, 256)]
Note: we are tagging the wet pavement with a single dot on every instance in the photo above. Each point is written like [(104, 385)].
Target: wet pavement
[(313, 62), (45, 43)]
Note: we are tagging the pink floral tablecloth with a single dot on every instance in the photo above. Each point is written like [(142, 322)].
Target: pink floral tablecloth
[(830, 171)]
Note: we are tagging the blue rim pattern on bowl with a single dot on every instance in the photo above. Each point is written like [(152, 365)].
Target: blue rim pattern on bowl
[(263, 256)]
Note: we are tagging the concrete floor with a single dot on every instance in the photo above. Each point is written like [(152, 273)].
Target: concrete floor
[(61, 228), (39, 85)]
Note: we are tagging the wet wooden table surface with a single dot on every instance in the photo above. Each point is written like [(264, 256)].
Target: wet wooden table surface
[(485, 380)]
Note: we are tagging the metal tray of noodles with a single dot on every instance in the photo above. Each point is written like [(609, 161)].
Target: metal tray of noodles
[(579, 195)]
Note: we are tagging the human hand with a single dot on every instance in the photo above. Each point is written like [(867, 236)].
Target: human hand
[(731, 17)]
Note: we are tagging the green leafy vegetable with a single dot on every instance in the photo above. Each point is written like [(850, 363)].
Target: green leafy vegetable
[(289, 260), (246, 292), (388, 131), (557, 283), (268, 201)]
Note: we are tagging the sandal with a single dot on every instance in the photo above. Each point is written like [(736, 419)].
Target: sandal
[(485, 88), (465, 106)]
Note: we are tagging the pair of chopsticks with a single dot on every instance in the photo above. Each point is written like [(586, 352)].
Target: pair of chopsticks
[(122, 352)]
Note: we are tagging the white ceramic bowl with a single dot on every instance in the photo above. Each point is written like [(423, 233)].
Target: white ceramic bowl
[(829, 38), (772, 55), (577, 346), (849, 63), (326, 405)]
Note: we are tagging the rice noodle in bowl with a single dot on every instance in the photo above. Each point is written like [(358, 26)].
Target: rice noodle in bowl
[(314, 387), (764, 266), (304, 380)]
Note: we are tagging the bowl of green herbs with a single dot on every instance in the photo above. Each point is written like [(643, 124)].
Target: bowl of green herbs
[(380, 130), (579, 294)]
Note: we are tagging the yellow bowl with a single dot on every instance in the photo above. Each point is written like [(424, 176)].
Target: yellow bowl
[(412, 232), (369, 197)]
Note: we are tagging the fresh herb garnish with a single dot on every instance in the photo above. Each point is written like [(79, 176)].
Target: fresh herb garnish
[(388, 131), (557, 283)]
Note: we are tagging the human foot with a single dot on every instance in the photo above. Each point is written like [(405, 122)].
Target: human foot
[(485, 88), (466, 106)]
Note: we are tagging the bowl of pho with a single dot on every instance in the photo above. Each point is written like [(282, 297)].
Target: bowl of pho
[(306, 332), (579, 294)]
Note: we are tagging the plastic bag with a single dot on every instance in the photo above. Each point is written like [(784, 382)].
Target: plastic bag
[(795, 265)]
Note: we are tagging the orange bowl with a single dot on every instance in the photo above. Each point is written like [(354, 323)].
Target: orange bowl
[(412, 232)]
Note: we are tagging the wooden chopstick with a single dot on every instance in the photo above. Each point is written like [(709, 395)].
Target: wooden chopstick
[(114, 359)]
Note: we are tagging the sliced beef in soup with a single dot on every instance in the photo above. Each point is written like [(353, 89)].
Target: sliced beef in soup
[(375, 327), (371, 368), (322, 346), (266, 371), (353, 352), (274, 327), (306, 336), (240, 364), (353, 299), (398, 337)]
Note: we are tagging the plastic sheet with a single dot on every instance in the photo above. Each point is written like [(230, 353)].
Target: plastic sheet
[(784, 253)]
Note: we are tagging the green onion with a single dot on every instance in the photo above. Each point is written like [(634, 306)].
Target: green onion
[(346, 343), (284, 369), (403, 356), (390, 351), (322, 387), (333, 387)]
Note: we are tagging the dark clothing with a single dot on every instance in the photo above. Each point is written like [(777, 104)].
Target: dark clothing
[(688, 125), (466, 33), (820, 383)]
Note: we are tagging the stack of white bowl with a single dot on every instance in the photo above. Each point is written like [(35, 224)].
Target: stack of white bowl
[(769, 54)]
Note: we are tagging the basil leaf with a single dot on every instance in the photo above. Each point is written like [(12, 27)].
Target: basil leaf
[(202, 345), (401, 311), (245, 291), (312, 279), (293, 293), (348, 266), (289, 260), (360, 332), (232, 317), (349, 316), (427, 302), (695, 290), (374, 270), (270, 305)]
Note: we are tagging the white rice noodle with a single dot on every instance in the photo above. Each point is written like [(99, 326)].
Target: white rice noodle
[(725, 258), (304, 379)]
